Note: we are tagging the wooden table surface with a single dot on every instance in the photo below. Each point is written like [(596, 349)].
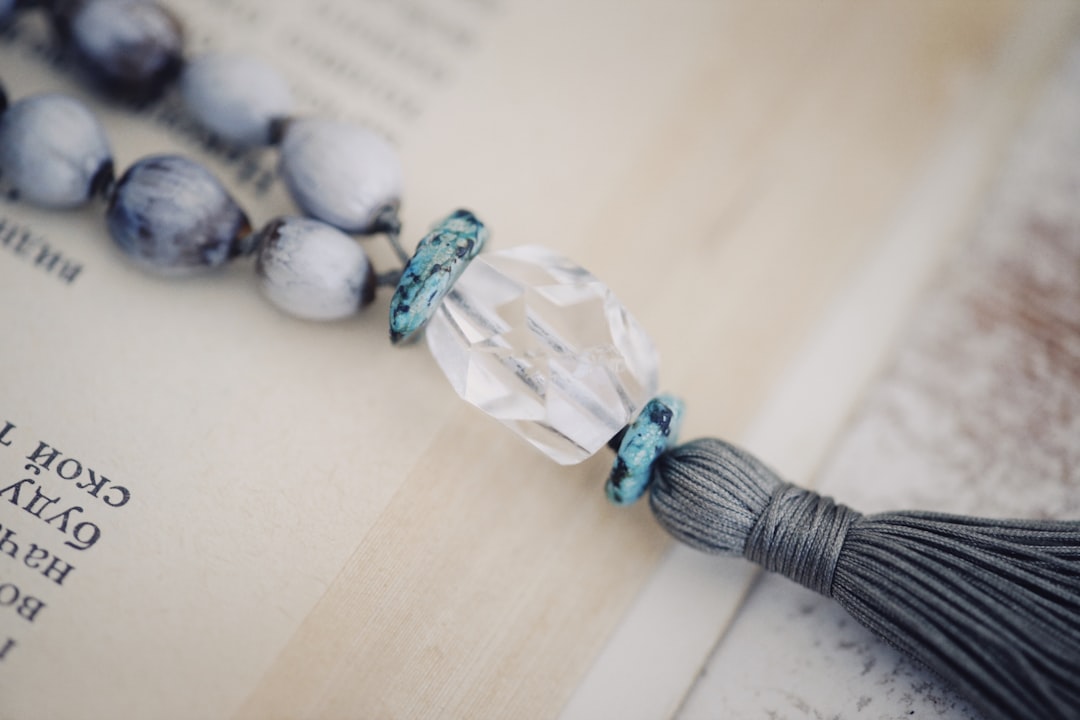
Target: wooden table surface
[(974, 408), (977, 412)]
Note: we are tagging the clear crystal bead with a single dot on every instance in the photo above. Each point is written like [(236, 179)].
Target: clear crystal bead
[(540, 344)]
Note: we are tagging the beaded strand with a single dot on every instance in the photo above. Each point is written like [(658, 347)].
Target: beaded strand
[(538, 343), (171, 216)]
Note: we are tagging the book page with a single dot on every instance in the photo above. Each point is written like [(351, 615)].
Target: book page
[(210, 509), (186, 469)]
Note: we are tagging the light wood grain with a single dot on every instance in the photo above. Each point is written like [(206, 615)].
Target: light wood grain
[(774, 172), (977, 412)]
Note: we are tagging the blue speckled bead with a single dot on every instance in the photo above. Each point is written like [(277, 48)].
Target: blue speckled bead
[(7, 10), (313, 270), (654, 430), (235, 96), (132, 48), (173, 217), (53, 151), (342, 174), (442, 255)]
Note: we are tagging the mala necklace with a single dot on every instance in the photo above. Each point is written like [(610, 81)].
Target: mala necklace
[(991, 606)]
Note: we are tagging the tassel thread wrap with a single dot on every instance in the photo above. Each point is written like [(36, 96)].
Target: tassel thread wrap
[(991, 606), (800, 535)]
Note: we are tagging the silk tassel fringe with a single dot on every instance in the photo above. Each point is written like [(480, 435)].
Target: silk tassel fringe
[(991, 606)]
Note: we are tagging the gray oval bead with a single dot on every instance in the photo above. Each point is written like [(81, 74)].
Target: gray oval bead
[(53, 151), (235, 96), (132, 47), (173, 217), (341, 174), (312, 270)]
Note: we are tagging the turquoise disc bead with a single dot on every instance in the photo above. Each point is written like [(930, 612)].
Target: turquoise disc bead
[(440, 258), (654, 430)]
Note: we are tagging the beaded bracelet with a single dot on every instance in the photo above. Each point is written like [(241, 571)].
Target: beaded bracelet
[(541, 345)]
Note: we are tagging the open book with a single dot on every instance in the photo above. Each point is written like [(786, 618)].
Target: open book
[(209, 509)]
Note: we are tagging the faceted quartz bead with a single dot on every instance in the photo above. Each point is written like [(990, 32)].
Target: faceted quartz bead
[(341, 174), (53, 151), (312, 270), (237, 97), (541, 345), (171, 216)]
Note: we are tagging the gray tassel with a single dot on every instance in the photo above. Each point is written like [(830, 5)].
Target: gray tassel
[(991, 606)]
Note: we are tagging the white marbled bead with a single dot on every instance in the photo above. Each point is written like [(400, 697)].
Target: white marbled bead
[(312, 270), (53, 151), (172, 216), (341, 174), (132, 47), (235, 96)]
